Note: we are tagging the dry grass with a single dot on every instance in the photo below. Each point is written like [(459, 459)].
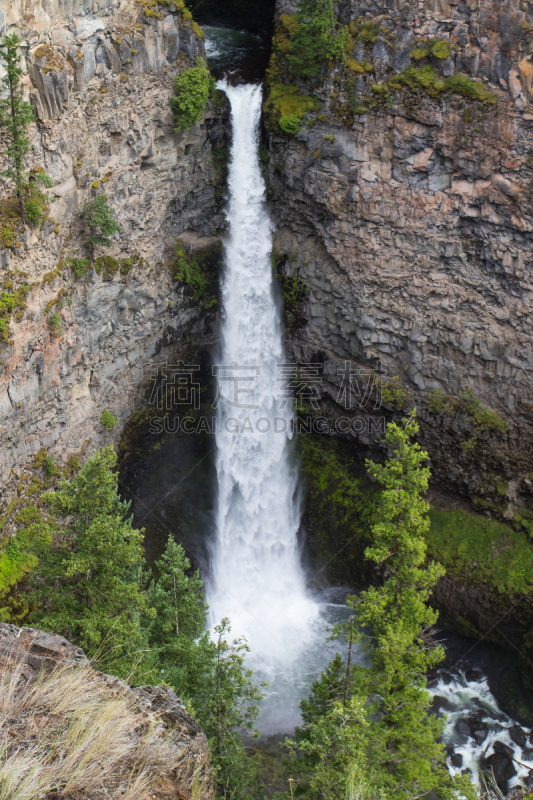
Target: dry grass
[(71, 734)]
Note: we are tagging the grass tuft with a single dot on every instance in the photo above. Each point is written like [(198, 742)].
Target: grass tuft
[(68, 733)]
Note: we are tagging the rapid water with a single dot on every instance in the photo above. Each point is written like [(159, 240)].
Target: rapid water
[(257, 579), (480, 737)]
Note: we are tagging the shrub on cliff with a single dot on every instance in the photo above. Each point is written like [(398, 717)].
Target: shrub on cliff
[(100, 221), (191, 93), (316, 37)]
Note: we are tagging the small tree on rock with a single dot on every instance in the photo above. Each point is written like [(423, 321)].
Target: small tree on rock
[(101, 224), (15, 116)]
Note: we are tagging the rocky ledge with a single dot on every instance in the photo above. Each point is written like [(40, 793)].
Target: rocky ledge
[(148, 741)]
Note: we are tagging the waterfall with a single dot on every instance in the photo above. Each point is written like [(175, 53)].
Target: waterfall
[(257, 579)]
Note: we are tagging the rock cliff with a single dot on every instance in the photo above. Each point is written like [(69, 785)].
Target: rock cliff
[(100, 76), (147, 743), (407, 213)]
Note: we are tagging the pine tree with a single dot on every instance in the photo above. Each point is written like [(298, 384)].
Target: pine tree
[(209, 675), (227, 709), (101, 224), (177, 635), (87, 585), (381, 725), (396, 629), (325, 692), (331, 750), (15, 115)]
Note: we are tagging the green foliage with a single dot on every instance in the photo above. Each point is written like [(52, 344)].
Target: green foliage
[(290, 124), (340, 507), (191, 93), (382, 724), (330, 749), (15, 564), (210, 675), (325, 692), (368, 32), (83, 566), (440, 403), (49, 466), (15, 115), (85, 586), (293, 291), (102, 226), (484, 419), (226, 707), (79, 266), (34, 212), (9, 301), (107, 420), (106, 266), (56, 324), (192, 272), (393, 392), (316, 37), (415, 78), (263, 154), (397, 623), (177, 634), (439, 49), (285, 103), (480, 550)]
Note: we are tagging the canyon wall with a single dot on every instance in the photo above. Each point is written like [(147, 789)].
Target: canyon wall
[(412, 226), (100, 77)]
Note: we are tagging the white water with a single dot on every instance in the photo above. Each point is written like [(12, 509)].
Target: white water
[(257, 578), (472, 701)]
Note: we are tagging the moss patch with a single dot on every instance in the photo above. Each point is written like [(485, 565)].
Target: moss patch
[(106, 266), (285, 107), (481, 550)]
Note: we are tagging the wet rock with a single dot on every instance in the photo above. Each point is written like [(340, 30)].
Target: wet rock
[(518, 735), (440, 704), (501, 747), (502, 767), (480, 736), (456, 760), (463, 728), (473, 674)]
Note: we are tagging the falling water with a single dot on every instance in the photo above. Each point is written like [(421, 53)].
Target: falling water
[(257, 577)]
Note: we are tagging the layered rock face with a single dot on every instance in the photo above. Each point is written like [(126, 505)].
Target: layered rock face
[(49, 671), (100, 77), (412, 226)]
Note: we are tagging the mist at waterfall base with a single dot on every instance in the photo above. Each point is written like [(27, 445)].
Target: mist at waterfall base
[(257, 579)]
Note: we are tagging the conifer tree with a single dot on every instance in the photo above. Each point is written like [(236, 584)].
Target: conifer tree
[(15, 115), (227, 709), (394, 738), (177, 634), (210, 675), (87, 585), (100, 220)]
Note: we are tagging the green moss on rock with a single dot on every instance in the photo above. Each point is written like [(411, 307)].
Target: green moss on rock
[(479, 550)]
